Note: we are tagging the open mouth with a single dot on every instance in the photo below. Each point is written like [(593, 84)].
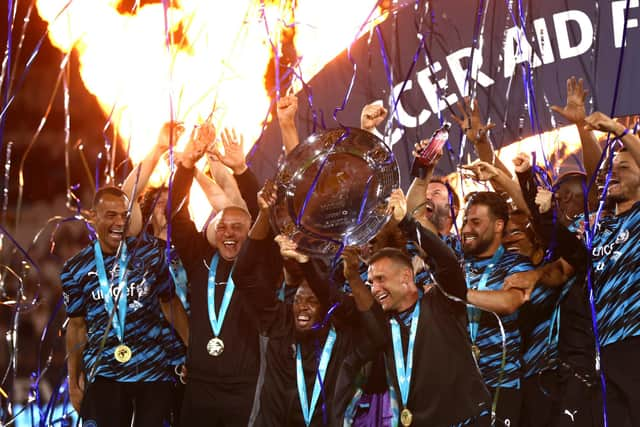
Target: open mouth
[(382, 297), (116, 233), (230, 244), (512, 248), (429, 207), (303, 320), (469, 238), (613, 183)]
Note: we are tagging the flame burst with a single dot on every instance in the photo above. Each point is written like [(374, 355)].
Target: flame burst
[(214, 62), (197, 58)]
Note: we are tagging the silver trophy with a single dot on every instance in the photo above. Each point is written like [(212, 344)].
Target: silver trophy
[(332, 190)]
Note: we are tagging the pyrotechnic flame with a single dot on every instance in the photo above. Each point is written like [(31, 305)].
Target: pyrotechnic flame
[(214, 62)]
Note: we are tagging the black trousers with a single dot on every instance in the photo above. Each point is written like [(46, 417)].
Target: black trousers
[(622, 374), (177, 397), (538, 406), (557, 398), (109, 403), (508, 408), (207, 404)]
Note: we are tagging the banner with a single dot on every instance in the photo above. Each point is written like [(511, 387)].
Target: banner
[(514, 56)]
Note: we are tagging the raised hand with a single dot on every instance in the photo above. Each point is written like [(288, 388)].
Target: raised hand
[(483, 171), (165, 136), (351, 262), (544, 198), (372, 115), (201, 137), (289, 249), (470, 121), (522, 162), (233, 157), (574, 111), (286, 109), (267, 196), (602, 122), (419, 146), (397, 206)]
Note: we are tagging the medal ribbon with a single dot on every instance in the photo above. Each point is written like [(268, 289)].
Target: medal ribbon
[(309, 408), (554, 327), (217, 320), (179, 276), (119, 318), (472, 312), (403, 369)]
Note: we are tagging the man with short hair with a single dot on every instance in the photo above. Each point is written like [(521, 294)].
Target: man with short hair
[(615, 259), (432, 376), (487, 265), (114, 290), (223, 356)]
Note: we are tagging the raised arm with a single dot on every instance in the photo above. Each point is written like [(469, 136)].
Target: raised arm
[(487, 172), (604, 123), (286, 110), (447, 269), (371, 116), (185, 235), (258, 266), (232, 158), (136, 182), (417, 193), (477, 133), (574, 112), (215, 194)]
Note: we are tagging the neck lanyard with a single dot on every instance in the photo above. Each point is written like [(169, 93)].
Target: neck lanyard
[(403, 369), (217, 320), (554, 327), (118, 320), (309, 408), (179, 276), (472, 312)]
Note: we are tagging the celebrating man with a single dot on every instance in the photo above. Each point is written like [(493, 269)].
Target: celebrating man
[(113, 291), (487, 265)]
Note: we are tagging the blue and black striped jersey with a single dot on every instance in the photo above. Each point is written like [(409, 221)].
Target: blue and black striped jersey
[(489, 339), (616, 274), (148, 280), (540, 341)]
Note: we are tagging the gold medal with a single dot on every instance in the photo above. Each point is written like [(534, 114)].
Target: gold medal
[(476, 351), (215, 347), (406, 417), (122, 353)]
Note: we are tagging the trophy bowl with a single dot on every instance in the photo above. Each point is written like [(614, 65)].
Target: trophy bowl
[(332, 190)]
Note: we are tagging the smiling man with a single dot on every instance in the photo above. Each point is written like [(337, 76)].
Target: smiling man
[(432, 378), (615, 273), (487, 265), (224, 354), (126, 279), (307, 348)]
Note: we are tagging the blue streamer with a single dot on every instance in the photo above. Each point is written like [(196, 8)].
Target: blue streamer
[(355, 68)]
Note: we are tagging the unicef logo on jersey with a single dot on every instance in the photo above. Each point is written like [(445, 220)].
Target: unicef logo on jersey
[(609, 248), (623, 236)]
